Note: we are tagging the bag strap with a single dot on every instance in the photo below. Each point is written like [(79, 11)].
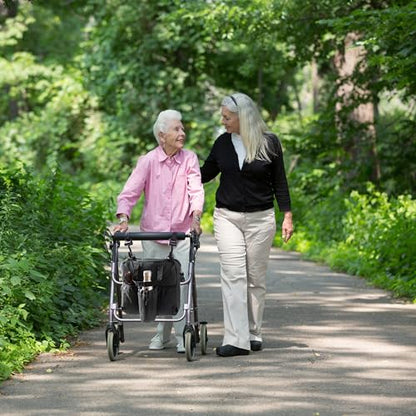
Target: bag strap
[(129, 243), (173, 242)]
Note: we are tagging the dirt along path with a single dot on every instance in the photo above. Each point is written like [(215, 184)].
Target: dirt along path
[(333, 346)]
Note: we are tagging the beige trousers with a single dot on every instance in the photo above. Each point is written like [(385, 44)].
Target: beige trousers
[(152, 249), (244, 240)]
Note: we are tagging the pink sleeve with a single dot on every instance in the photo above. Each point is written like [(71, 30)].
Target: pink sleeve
[(195, 187), (133, 188)]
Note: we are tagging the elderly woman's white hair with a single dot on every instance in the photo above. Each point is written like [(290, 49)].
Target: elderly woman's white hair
[(163, 120)]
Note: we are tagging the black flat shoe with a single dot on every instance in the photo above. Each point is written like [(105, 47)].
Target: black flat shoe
[(256, 345), (230, 351)]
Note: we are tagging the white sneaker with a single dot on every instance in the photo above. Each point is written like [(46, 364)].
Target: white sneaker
[(179, 344), (157, 344)]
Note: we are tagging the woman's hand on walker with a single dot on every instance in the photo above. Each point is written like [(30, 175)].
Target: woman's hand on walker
[(196, 222), (122, 228), (123, 224)]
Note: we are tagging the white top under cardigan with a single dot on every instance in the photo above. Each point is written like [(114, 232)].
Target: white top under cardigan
[(239, 148)]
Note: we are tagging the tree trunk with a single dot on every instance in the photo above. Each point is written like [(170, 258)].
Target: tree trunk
[(9, 8), (355, 112), (315, 86)]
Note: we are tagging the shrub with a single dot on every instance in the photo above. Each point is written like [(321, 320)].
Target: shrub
[(52, 252), (368, 234)]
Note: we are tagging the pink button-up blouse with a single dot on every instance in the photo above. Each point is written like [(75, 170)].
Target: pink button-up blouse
[(172, 190)]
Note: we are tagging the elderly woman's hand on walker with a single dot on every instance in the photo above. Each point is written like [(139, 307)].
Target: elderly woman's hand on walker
[(196, 222), (123, 224)]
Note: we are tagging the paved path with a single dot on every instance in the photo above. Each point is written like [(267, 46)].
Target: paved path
[(333, 346)]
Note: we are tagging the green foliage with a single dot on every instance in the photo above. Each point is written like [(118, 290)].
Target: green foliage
[(52, 276), (133, 62), (385, 31), (63, 126), (388, 33), (367, 234), (135, 67), (82, 84), (12, 31), (397, 150), (385, 234), (17, 341), (47, 117), (207, 222), (56, 32), (239, 48)]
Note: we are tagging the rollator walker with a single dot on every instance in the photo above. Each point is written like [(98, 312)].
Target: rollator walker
[(147, 290)]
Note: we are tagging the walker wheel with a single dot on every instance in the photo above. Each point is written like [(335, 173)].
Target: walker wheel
[(113, 344), (190, 346), (204, 338)]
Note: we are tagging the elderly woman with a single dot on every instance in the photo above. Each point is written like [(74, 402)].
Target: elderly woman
[(170, 178), (249, 160)]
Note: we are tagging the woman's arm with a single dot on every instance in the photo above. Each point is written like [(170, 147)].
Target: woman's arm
[(130, 194), (196, 193), (279, 180), (210, 169)]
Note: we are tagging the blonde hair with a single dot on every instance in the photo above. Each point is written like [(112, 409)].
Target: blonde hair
[(252, 126), (163, 120)]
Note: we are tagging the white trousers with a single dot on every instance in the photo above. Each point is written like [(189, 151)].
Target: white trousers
[(152, 249), (244, 240)]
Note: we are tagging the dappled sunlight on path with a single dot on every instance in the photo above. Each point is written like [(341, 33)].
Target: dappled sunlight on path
[(333, 346)]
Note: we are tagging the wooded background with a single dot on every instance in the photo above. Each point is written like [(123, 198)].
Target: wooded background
[(81, 84)]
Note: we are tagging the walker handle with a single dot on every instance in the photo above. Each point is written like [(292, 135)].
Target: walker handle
[(118, 236)]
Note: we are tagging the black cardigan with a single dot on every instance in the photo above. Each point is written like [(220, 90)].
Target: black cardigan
[(254, 187)]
